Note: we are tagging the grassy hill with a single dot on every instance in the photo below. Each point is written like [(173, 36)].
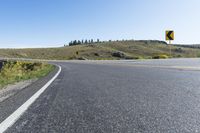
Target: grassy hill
[(105, 51)]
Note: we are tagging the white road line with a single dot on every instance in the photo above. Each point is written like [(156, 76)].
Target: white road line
[(8, 122)]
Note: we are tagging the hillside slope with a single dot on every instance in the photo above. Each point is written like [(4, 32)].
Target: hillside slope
[(104, 50)]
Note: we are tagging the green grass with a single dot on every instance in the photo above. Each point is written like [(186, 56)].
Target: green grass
[(103, 51), (15, 71)]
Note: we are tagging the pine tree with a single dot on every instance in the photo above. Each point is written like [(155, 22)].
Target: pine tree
[(74, 42), (79, 42), (70, 43)]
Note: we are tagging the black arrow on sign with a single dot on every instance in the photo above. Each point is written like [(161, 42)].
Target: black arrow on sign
[(169, 35)]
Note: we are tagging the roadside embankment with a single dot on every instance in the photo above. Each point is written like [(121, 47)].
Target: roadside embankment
[(16, 71), (15, 76)]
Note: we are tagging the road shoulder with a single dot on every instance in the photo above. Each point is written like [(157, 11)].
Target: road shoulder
[(11, 90), (12, 103)]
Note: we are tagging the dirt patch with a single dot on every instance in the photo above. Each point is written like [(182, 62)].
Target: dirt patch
[(10, 90)]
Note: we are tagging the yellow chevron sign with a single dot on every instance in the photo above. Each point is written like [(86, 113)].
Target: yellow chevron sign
[(169, 35)]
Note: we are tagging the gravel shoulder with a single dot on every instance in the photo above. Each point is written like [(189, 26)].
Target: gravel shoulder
[(20, 94), (10, 90)]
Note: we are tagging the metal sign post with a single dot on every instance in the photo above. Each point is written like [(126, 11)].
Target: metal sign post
[(170, 48), (169, 36)]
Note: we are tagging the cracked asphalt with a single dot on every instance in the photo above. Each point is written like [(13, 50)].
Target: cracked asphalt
[(102, 98)]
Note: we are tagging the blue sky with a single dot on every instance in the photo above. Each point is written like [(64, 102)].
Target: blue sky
[(51, 23)]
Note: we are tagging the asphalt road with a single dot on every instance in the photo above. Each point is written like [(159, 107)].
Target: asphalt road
[(110, 97)]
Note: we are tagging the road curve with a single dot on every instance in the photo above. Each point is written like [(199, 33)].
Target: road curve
[(117, 97)]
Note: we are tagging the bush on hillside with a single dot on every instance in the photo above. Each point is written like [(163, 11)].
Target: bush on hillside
[(118, 54), (162, 56), (15, 71), (179, 50)]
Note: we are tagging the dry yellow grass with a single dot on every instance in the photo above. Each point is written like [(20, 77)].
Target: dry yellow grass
[(99, 51)]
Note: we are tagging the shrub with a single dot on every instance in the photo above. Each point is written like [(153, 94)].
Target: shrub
[(15, 71), (96, 54), (179, 56), (118, 54), (179, 50), (133, 58), (162, 56)]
